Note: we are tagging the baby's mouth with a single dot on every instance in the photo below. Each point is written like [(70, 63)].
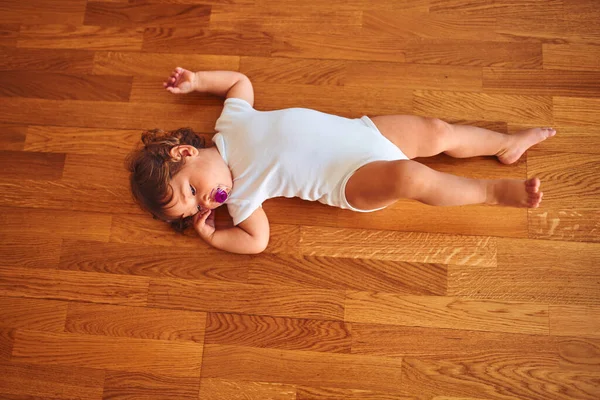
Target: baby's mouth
[(219, 194)]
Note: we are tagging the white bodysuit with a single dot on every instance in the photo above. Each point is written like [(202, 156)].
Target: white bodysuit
[(296, 152)]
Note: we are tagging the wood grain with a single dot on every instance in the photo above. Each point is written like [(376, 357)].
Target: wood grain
[(173, 358), (120, 321), (139, 385), (301, 367), (80, 37), (446, 312), (52, 381), (278, 333), (46, 315), (145, 14), (12, 137), (47, 60), (243, 298), (100, 301), (397, 246), (574, 321), (214, 389), (533, 271), (68, 285), (483, 106), (62, 86)]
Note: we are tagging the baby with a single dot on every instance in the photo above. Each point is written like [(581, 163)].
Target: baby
[(362, 164)]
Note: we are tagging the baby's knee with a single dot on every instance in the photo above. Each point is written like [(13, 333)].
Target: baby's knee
[(441, 130)]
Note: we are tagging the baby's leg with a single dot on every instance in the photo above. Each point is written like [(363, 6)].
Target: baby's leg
[(424, 137), (381, 183)]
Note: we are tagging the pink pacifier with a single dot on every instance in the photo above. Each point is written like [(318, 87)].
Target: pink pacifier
[(220, 194)]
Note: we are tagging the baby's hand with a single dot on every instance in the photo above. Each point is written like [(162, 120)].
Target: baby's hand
[(204, 224), (181, 81)]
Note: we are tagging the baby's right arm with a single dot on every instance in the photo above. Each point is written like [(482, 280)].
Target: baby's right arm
[(251, 236), (221, 83)]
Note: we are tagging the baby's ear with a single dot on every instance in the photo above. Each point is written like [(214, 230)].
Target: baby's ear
[(180, 151)]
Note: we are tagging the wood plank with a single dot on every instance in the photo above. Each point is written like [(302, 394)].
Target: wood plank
[(267, 332), (80, 37), (174, 358), (295, 302), (435, 343), (398, 246), (121, 385), (43, 11), (48, 60), (483, 106), (45, 315), (135, 322), (65, 224), (145, 14), (69, 285), (475, 53), (81, 141), (569, 179), (62, 196), (337, 46), (285, 18), (542, 82), (576, 111), (578, 354), (107, 114), (215, 389), (50, 382), (25, 165), (446, 312), (127, 259), (293, 71), (571, 57), (158, 64), (106, 169), (497, 377), (59, 86), (6, 342), (301, 367), (9, 34), (507, 8), (348, 273), (412, 76), (429, 26), (336, 393), (202, 41), (30, 249), (12, 137), (533, 271), (573, 320)]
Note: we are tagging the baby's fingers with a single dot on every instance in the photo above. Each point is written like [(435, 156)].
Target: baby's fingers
[(201, 216)]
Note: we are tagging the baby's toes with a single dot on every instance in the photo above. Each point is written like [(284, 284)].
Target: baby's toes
[(535, 199), (532, 185)]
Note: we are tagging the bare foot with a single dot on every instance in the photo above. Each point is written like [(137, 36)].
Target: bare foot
[(515, 193), (520, 142)]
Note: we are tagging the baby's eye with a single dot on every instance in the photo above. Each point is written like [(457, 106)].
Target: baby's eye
[(193, 190), (199, 208)]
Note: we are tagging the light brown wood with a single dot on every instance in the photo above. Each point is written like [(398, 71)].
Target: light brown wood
[(100, 301)]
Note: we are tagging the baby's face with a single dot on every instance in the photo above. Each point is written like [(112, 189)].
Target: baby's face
[(196, 186)]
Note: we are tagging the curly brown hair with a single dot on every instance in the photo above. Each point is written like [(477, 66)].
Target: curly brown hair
[(151, 169)]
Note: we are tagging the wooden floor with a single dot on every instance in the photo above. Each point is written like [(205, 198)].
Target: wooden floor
[(100, 301)]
